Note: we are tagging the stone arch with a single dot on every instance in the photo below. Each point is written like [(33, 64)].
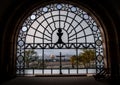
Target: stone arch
[(110, 31)]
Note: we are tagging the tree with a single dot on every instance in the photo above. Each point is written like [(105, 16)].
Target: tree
[(30, 55), (73, 60), (87, 56)]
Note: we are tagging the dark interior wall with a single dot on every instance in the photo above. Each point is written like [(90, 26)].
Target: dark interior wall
[(11, 11), (112, 8)]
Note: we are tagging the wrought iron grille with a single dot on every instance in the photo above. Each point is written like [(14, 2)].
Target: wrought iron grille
[(54, 29)]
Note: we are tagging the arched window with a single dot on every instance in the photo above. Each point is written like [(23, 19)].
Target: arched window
[(60, 39)]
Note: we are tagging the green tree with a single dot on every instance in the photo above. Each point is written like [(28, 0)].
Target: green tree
[(87, 56), (30, 55), (73, 60)]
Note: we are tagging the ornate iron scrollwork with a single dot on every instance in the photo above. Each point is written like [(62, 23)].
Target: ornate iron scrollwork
[(59, 26)]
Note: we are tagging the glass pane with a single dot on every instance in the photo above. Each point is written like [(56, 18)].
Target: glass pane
[(33, 17), (59, 6), (45, 9), (28, 71), (92, 71), (24, 29), (65, 71), (73, 71), (35, 24), (82, 71), (47, 71), (38, 71), (55, 71)]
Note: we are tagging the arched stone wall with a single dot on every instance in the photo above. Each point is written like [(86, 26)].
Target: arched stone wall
[(15, 12)]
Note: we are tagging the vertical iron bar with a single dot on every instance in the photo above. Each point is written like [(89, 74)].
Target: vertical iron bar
[(33, 71), (77, 59), (43, 61), (60, 64)]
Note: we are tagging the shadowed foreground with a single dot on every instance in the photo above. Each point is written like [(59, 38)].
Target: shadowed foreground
[(55, 81)]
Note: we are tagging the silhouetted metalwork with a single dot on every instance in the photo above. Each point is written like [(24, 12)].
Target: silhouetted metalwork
[(59, 37), (60, 56), (103, 74), (58, 26)]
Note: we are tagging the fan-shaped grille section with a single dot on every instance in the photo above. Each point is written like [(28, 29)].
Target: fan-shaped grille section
[(77, 25)]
